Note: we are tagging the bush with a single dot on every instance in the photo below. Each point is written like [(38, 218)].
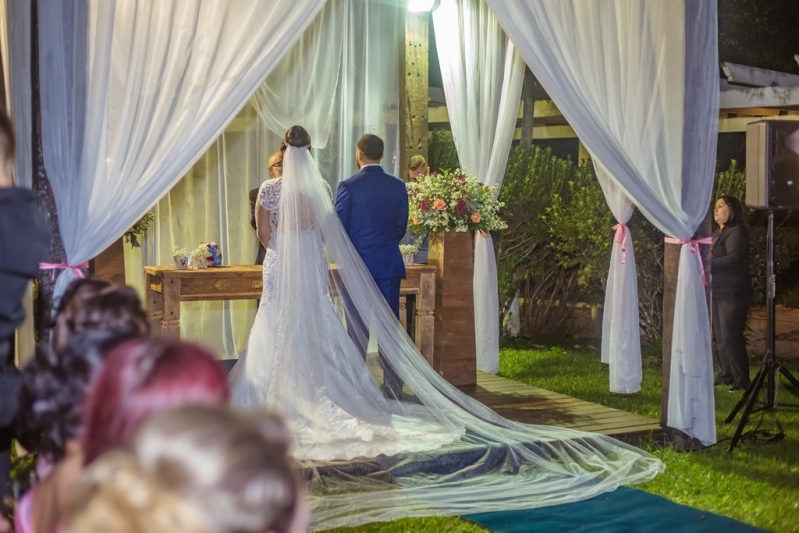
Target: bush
[(441, 152)]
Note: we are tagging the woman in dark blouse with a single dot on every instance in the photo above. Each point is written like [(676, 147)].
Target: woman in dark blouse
[(732, 291)]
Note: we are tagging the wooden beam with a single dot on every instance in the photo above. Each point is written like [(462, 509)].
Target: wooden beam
[(414, 89), (758, 77), (782, 97)]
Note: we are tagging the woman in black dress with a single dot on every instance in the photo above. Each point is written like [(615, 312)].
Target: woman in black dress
[(732, 291)]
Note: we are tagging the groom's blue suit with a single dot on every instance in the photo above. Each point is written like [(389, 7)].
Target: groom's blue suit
[(373, 207)]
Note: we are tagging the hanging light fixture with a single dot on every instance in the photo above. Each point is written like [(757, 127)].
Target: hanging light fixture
[(418, 6)]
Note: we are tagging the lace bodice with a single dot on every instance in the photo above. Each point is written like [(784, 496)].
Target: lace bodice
[(269, 198)]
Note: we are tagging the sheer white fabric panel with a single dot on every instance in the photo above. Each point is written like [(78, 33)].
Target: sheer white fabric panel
[(638, 82), (302, 88), (483, 76), (211, 204), (163, 79), (621, 336), (339, 81)]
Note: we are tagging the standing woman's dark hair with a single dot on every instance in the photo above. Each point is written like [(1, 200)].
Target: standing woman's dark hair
[(731, 291), (736, 217), (296, 136)]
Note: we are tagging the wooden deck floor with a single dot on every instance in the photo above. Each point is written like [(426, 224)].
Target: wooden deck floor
[(531, 405)]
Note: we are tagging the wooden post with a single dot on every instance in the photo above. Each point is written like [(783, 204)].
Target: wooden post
[(110, 263), (528, 109), (414, 90), (455, 353)]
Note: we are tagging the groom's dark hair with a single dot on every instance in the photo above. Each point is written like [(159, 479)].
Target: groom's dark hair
[(371, 146)]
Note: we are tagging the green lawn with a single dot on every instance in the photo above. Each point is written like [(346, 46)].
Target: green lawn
[(758, 483)]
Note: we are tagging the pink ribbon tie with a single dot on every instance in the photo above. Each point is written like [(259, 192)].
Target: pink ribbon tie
[(694, 250), (621, 238), (77, 269)]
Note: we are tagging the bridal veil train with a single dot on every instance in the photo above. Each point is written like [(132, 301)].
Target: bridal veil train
[(367, 458)]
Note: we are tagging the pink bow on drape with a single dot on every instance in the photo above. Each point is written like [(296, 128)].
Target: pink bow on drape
[(694, 250), (77, 269), (621, 238)]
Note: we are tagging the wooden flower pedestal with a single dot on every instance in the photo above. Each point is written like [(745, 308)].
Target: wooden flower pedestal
[(454, 355)]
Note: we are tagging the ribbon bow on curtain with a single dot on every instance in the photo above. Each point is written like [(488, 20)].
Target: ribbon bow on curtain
[(76, 269), (694, 250), (621, 238)]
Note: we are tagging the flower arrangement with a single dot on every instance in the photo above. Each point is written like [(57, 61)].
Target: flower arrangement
[(409, 249), (209, 253), (180, 258), (452, 200)]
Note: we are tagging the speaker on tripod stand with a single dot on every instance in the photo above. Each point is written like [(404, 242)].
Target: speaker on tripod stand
[(772, 184)]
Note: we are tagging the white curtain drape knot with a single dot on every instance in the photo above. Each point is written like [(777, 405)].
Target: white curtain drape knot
[(694, 250)]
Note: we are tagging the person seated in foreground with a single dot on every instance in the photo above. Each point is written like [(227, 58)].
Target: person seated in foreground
[(138, 378), (196, 469), (75, 296)]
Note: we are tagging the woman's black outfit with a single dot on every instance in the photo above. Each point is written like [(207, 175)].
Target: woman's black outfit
[(732, 297)]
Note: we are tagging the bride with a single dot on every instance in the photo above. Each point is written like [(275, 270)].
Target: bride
[(369, 458)]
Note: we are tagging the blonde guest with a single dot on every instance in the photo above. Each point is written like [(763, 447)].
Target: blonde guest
[(196, 469)]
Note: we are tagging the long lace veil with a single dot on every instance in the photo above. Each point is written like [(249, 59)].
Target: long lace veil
[(367, 458)]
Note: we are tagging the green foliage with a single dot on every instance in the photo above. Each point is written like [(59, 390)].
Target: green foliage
[(413, 525), (142, 225), (756, 484), (578, 223), (441, 152)]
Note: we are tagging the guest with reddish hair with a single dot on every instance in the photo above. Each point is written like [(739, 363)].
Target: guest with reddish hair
[(142, 377)]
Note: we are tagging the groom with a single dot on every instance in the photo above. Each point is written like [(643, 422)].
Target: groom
[(373, 207)]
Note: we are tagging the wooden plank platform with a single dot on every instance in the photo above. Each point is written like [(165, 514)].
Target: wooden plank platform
[(532, 405)]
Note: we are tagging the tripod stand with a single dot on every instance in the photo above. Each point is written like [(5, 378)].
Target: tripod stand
[(770, 369)]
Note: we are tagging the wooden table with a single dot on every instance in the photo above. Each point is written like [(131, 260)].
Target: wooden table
[(166, 287)]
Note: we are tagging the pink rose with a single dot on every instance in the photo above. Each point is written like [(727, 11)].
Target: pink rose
[(440, 204), (477, 217)]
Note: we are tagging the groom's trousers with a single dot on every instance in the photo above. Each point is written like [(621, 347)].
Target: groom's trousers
[(359, 333)]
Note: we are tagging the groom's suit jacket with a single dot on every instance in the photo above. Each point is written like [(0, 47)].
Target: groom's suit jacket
[(373, 207)]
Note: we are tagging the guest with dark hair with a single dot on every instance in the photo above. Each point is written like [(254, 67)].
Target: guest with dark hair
[(731, 292), (25, 241), (50, 420), (139, 377), (75, 295), (196, 469)]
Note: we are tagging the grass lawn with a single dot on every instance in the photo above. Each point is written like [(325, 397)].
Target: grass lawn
[(757, 484)]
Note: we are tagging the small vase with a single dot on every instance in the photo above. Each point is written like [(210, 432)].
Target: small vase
[(180, 262), (199, 263), (408, 259)]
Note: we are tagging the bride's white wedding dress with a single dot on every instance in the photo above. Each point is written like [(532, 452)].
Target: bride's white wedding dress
[(367, 458), (333, 404)]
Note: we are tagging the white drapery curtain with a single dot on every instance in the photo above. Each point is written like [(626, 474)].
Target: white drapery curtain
[(483, 76), (134, 91), (638, 82), (340, 80), (621, 336)]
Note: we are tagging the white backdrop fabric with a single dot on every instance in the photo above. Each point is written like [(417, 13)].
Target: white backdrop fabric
[(638, 82), (621, 334), (483, 76), (359, 87), (135, 91)]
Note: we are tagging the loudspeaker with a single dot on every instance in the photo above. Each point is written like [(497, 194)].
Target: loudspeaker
[(772, 164)]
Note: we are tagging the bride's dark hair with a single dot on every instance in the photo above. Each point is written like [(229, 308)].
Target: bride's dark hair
[(296, 136)]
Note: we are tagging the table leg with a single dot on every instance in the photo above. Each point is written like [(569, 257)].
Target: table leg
[(425, 312), (153, 304), (403, 312), (171, 316), (410, 317)]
